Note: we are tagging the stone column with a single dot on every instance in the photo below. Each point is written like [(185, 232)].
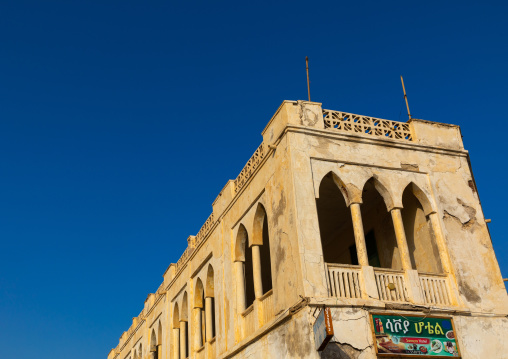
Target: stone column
[(183, 339), (400, 234), (256, 269), (411, 275), (361, 248), (199, 326), (440, 241), (240, 286), (176, 343), (209, 318)]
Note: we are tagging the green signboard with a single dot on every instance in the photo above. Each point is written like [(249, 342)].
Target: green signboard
[(414, 336)]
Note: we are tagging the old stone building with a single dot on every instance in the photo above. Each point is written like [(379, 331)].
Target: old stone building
[(361, 215)]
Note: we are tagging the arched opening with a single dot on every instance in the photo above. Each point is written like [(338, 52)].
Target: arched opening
[(244, 254), (159, 341), (153, 345), (380, 240), (262, 238), (210, 304), (184, 328), (421, 243), (335, 224), (140, 351), (199, 302), (176, 317), (176, 332)]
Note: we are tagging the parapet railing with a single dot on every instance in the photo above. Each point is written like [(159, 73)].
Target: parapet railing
[(391, 285), (349, 122), (205, 229), (435, 288), (344, 281), (249, 318), (250, 167)]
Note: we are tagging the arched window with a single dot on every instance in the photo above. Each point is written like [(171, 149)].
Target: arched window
[(210, 304), (199, 302), (423, 250), (159, 341), (380, 240), (153, 345), (244, 255), (262, 238), (184, 328), (176, 332), (335, 224)]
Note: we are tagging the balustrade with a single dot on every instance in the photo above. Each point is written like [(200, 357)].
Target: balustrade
[(344, 281), (267, 306), (249, 321), (391, 285), (435, 289)]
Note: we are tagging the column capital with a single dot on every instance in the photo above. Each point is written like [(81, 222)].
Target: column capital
[(355, 201)]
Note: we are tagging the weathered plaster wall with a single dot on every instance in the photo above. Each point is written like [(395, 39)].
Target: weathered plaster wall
[(286, 183)]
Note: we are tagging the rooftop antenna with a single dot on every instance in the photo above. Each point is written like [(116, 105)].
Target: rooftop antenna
[(405, 97), (308, 81)]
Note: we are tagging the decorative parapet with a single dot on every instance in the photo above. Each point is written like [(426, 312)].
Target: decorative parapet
[(183, 259), (348, 122), (250, 167), (205, 229)]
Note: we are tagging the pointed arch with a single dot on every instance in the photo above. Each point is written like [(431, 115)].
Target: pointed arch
[(198, 294), (380, 240), (261, 237), (422, 198), (335, 222), (210, 304), (159, 334), (421, 241), (184, 314), (241, 243), (153, 341), (382, 189), (259, 216), (341, 186), (184, 326), (209, 287), (199, 313), (243, 254), (176, 317)]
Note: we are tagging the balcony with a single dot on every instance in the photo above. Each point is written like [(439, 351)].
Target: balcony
[(388, 285)]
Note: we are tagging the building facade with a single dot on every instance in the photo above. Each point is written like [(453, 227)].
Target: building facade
[(356, 214)]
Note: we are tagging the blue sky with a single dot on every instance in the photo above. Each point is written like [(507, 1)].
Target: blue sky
[(121, 121)]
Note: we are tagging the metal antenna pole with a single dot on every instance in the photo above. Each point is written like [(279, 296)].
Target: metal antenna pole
[(405, 97), (308, 81)]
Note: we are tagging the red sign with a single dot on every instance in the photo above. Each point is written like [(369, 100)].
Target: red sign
[(415, 340)]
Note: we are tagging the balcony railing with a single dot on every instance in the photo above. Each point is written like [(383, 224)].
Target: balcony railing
[(267, 305), (344, 281), (249, 321), (435, 289), (350, 281), (390, 285)]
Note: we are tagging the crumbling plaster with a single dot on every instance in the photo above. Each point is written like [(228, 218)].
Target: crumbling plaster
[(300, 152)]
